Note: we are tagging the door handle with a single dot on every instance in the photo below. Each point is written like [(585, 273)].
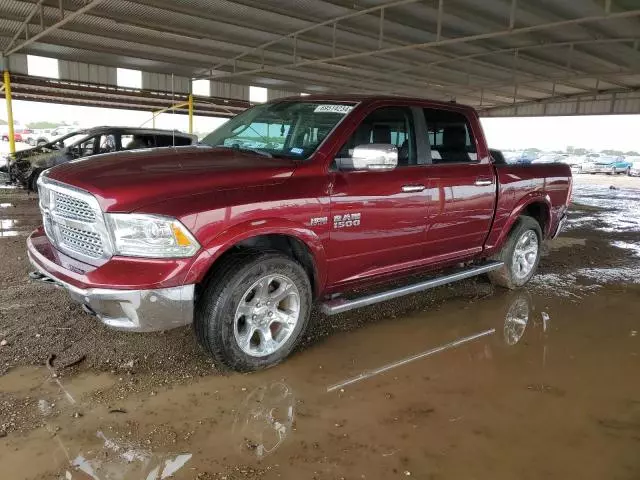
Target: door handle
[(483, 182), (412, 188)]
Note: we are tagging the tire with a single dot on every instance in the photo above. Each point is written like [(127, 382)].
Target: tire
[(220, 325), (510, 275)]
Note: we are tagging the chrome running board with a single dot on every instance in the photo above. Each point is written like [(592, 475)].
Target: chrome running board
[(341, 305)]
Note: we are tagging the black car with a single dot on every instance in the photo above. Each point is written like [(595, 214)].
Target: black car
[(26, 165)]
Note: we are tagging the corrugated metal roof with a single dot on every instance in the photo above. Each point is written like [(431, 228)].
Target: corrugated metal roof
[(474, 52)]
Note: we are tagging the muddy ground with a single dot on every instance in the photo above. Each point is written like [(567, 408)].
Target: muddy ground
[(460, 382)]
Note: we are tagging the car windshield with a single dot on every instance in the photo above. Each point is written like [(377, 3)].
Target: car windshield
[(282, 129), (72, 139)]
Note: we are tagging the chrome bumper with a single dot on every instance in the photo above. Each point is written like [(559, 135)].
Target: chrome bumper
[(130, 310)]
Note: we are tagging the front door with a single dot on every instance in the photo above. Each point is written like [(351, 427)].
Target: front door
[(378, 219)]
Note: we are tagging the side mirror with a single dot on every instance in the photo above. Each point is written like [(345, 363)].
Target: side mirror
[(374, 156)]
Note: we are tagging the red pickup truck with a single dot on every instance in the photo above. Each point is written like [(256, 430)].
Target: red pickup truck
[(292, 202)]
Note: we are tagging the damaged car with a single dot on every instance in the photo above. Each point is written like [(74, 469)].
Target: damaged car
[(26, 166)]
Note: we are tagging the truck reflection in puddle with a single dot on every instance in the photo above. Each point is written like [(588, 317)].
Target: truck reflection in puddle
[(265, 418), (122, 461), (114, 459)]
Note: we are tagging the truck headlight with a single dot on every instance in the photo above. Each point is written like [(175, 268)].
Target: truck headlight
[(151, 236)]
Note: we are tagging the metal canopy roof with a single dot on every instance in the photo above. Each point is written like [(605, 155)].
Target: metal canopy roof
[(491, 53)]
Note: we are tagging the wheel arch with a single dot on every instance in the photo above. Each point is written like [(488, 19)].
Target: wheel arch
[(538, 207), (301, 244)]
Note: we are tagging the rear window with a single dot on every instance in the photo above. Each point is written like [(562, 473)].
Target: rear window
[(450, 137)]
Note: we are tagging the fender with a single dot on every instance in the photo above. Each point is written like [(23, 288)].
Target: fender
[(494, 244), (254, 228)]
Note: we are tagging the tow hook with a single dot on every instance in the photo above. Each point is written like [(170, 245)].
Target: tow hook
[(41, 277)]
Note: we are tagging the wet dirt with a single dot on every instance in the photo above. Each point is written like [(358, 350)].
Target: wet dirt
[(461, 382)]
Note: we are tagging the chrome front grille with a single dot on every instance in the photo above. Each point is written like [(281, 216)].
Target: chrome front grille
[(73, 222), (82, 241), (69, 207)]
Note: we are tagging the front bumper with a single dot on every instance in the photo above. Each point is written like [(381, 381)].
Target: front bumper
[(134, 310), (598, 169)]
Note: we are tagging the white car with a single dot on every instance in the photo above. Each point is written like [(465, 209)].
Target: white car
[(549, 158), (40, 136), (635, 166)]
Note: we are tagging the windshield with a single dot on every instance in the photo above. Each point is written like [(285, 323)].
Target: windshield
[(283, 129), (72, 139)]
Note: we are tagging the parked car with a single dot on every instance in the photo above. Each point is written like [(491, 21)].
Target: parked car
[(549, 158), (574, 161), (521, 157), (634, 171), (17, 137), (241, 240), (26, 165), (610, 164), (39, 136)]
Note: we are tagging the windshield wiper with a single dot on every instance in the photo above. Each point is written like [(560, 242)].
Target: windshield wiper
[(256, 150), (264, 153)]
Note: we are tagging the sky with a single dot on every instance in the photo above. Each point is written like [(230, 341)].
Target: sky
[(593, 132)]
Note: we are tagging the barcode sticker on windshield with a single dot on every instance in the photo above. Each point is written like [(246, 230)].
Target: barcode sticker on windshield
[(344, 109)]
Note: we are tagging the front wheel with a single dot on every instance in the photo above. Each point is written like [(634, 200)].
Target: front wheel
[(254, 310), (520, 255)]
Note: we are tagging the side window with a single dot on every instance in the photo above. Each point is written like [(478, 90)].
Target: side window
[(87, 147), (450, 137), (168, 140), (107, 143), (389, 125), (135, 142)]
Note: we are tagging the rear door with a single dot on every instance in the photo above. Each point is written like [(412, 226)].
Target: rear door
[(378, 217), (462, 186)]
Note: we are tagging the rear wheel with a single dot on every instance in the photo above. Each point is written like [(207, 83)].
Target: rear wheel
[(254, 310), (520, 255)]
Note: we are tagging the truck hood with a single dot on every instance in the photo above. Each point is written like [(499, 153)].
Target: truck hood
[(127, 181)]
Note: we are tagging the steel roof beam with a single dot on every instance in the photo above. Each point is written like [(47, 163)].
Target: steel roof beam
[(410, 82), (149, 42), (437, 43), (63, 21)]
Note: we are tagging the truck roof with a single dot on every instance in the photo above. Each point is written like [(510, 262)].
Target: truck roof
[(367, 99), (148, 131)]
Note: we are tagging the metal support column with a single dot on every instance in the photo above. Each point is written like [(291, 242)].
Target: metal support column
[(7, 96), (190, 102)]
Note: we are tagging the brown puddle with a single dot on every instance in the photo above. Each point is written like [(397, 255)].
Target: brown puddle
[(515, 385)]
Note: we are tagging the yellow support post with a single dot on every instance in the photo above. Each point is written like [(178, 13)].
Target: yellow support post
[(7, 96), (190, 113)]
